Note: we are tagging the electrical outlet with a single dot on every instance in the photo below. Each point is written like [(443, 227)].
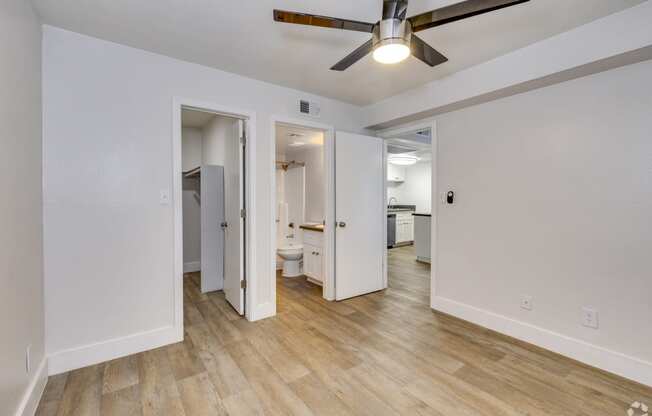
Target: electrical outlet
[(526, 302), (590, 318), (28, 361), (164, 197)]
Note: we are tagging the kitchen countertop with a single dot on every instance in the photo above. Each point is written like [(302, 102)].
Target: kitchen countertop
[(401, 208), (313, 227)]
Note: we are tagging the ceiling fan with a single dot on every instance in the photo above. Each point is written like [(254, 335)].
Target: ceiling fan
[(393, 38)]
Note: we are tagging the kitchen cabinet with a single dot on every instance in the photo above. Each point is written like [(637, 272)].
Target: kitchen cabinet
[(313, 257), (422, 232), (404, 227), (395, 173)]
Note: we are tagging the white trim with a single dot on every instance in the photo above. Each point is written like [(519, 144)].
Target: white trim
[(434, 197), (328, 291), (250, 205), (32, 396), (78, 357), (262, 311), (192, 266), (384, 224), (593, 355)]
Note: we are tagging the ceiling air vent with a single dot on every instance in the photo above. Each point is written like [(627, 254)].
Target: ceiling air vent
[(309, 108), (394, 149)]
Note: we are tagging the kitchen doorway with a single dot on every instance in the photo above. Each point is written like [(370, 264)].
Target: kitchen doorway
[(409, 168)]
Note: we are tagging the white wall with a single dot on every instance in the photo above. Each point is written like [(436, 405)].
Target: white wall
[(191, 152), (215, 133), (21, 256), (554, 200), (108, 153), (191, 148), (416, 188)]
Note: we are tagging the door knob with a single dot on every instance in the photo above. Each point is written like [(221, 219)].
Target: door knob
[(224, 225), (341, 224)]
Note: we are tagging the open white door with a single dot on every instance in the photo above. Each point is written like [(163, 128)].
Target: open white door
[(359, 211), (234, 238)]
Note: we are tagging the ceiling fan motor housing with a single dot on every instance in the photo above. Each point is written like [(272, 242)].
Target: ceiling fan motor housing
[(390, 31)]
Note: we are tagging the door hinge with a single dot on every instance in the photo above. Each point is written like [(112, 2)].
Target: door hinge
[(243, 284), (243, 213), (243, 140)]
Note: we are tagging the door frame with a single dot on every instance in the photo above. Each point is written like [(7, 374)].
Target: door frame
[(328, 283), (434, 198), (178, 103)]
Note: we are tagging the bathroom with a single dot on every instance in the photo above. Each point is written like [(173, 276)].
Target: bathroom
[(300, 203)]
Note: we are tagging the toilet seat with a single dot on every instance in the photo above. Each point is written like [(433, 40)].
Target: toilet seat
[(290, 249)]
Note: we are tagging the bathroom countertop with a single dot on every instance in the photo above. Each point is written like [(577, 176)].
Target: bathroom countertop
[(313, 227)]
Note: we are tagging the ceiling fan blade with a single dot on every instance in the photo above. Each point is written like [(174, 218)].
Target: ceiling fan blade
[(394, 9), (322, 21), (354, 56), (425, 52), (458, 11)]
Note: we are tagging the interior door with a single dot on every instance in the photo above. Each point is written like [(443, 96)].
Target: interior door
[(359, 214), (234, 180), (212, 232)]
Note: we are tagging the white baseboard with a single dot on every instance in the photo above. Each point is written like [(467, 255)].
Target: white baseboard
[(593, 355), (29, 402), (192, 266), (74, 358)]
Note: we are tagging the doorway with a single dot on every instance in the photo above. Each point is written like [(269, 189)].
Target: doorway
[(302, 237), (211, 198), (353, 225), (411, 210)]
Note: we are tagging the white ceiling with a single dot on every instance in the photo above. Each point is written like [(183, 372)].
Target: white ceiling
[(241, 37), (419, 145), (195, 119), (288, 144)]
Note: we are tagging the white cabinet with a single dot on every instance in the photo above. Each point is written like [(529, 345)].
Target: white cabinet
[(404, 227), (395, 173), (313, 258), (422, 237)]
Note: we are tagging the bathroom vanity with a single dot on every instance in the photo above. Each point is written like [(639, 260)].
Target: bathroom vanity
[(313, 249)]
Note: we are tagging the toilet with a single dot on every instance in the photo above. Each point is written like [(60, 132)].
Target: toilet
[(291, 253)]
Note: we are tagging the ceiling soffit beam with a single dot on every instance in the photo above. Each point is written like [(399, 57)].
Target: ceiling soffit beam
[(616, 40)]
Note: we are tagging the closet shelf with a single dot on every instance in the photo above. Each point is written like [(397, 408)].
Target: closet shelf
[(192, 173)]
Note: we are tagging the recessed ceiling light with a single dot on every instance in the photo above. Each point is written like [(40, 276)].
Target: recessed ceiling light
[(402, 160)]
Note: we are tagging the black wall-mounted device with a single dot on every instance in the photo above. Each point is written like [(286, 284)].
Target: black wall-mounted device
[(450, 197)]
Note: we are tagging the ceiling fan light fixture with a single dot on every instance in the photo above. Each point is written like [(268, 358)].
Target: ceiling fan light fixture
[(391, 51)]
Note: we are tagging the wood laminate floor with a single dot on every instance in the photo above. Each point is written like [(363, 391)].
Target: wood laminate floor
[(382, 354)]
